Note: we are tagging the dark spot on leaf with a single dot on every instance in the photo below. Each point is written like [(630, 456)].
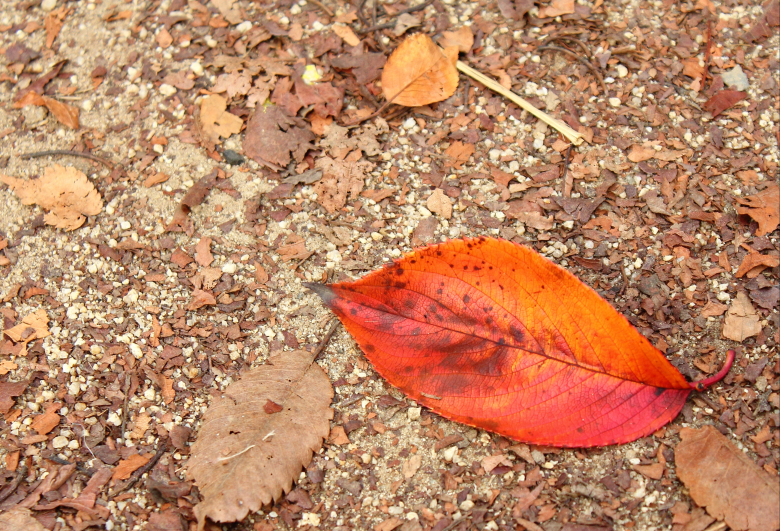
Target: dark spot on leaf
[(466, 299)]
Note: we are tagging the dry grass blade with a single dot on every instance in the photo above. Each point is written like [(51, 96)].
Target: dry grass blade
[(258, 434), (571, 135)]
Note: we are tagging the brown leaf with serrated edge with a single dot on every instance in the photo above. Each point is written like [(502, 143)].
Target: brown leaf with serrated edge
[(19, 518), (216, 121), (726, 481), (419, 72), (244, 457), (8, 391), (64, 191), (762, 207), (723, 100), (461, 38), (274, 136), (341, 180)]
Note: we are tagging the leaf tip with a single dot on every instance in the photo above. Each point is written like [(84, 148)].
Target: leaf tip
[(324, 291)]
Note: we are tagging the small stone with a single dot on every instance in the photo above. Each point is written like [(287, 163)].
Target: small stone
[(409, 123), (113, 418), (48, 5), (232, 158), (622, 71), (167, 90), (230, 268), (136, 351), (196, 68), (449, 453), (59, 442), (87, 105), (244, 27), (413, 413), (615, 102), (735, 78)]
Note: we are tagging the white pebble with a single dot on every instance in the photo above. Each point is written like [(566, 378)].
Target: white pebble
[(229, 268), (621, 70), (167, 90), (196, 68), (244, 26), (59, 442), (48, 5), (615, 102)]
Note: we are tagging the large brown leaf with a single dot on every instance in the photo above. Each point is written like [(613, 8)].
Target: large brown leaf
[(258, 434), (763, 208), (273, 136), (725, 480)]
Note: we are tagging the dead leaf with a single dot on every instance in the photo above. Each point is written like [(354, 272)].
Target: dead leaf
[(243, 457), (418, 72), (215, 121), (53, 24), (762, 207), (33, 326), (65, 192), (338, 436), (754, 263), (201, 298), (462, 39), (9, 390), (18, 518), (68, 115), (713, 309), (726, 481), (274, 136), (440, 204), (194, 197), (405, 22), (410, 467), (692, 68), (157, 178), (643, 152), (129, 465), (459, 153), (203, 254), (164, 38), (557, 8), (346, 34), (46, 422), (341, 180), (741, 321), (365, 67), (233, 83), (490, 462), (7, 366), (142, 423), (762, 28), (723, 100)]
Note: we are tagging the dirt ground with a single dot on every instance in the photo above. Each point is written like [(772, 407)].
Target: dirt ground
[(146, 324)]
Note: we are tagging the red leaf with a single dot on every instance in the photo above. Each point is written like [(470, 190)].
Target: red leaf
[(722, 100), (272, 407), (489, 333)]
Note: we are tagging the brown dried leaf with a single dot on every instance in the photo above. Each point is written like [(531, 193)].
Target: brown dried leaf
[(762, 207), (65, 192), (557, 8), (68, 115), (459, 152), (18, 518), (762, 28), (418, 72), (722, 478), (341, 180), (203, 254), (244, 457), (215, 121), (33, 326), (440, 204), (723, 100), (365, 67), (346, 34), (9, 390), (754, 263), (741, 321), (462, 39), (201, 298), (53, 24), (43, 424), (129, 465), (273, 136)]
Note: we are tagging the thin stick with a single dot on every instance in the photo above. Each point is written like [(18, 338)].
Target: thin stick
[(568, 180), (67, 152), (573, 136), (144, 469), (334, 324), (323, 7)]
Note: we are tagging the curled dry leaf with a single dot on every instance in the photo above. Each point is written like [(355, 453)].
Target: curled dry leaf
[(723, 479), (489, 333), (741, 321), (245, 457), (754, 263), (723, 100), (762, 207), (33, 326), (67, 115), (216, 121), (419, 72), (64, 191)]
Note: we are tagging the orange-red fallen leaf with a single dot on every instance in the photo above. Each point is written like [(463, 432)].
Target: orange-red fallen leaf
[(727, 482), (723, 100), (245, 457), (43, 424), (491, 334), (419, 72), (33, 326), (762, 207), (129, 465), (754, 263)]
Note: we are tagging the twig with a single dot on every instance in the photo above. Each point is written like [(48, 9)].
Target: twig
[(573, 136), (11, 487), (144, 469), (568, 183), (581, 60), (89, 156), (376, 27), (124, 406), (334, 324), (706, 72), (323, 7)]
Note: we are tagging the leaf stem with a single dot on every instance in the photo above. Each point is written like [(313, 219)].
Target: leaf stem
[(573, 136), (701, 385)]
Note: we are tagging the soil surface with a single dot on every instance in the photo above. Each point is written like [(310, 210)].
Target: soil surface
[(192, 272)]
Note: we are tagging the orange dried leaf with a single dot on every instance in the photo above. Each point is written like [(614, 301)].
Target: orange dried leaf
[(216, 121), (418, 72), (489, 333), (129, 465), (64, 191), (68, 115), (34, 326), (723, 479), (754, 263), (462, 39), (244, 456), (763, 207)]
